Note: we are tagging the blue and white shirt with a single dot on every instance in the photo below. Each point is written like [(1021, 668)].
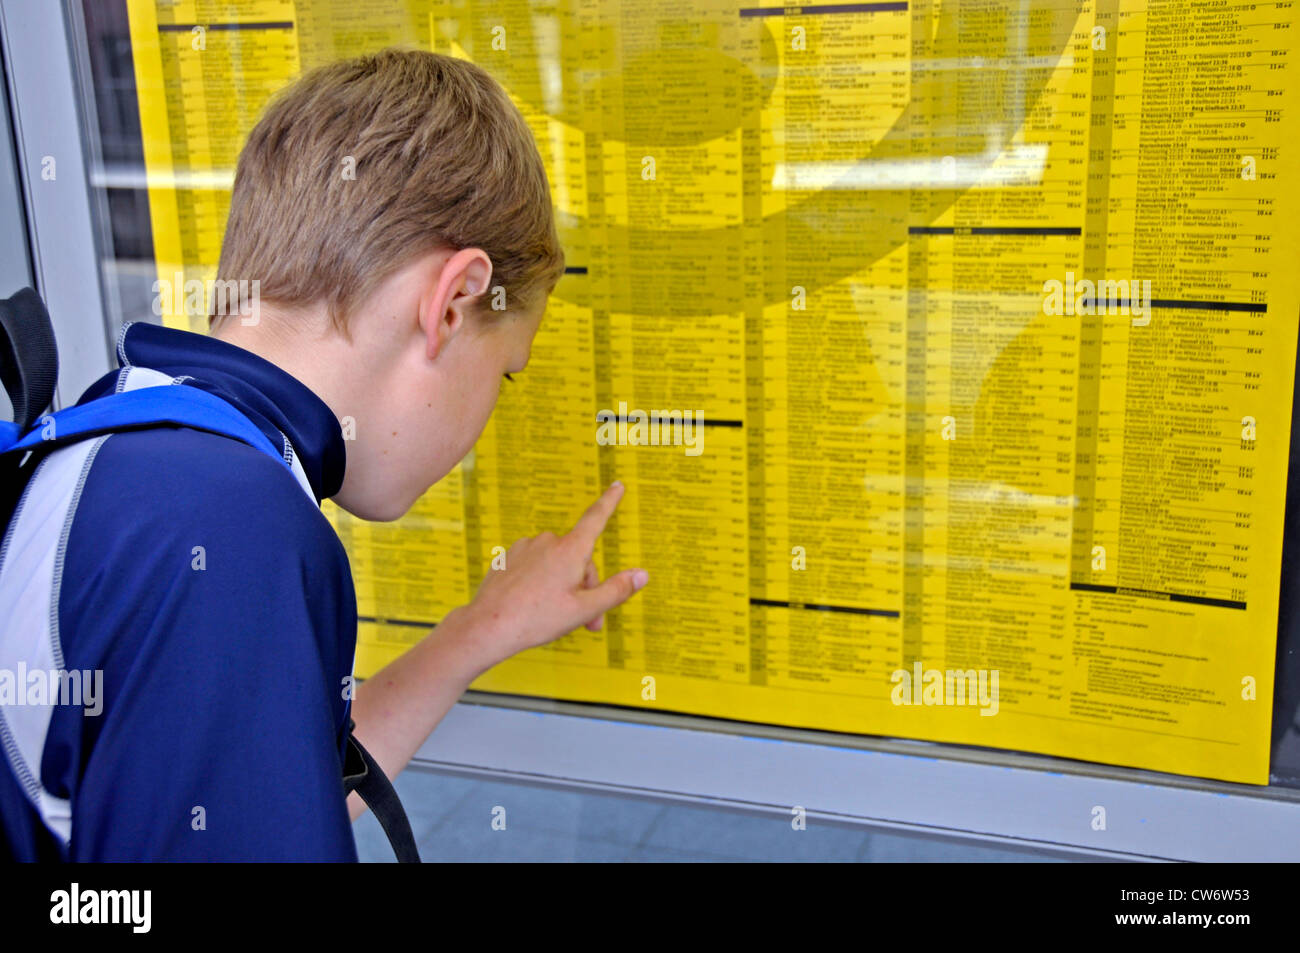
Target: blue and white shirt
[(207, 587)]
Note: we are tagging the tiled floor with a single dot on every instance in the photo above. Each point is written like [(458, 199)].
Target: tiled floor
[(453, 821)]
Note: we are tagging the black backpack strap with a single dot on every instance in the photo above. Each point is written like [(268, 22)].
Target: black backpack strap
[(361, 773), (29, 358)]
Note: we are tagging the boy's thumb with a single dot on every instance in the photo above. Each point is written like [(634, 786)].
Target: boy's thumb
[(614, 591)]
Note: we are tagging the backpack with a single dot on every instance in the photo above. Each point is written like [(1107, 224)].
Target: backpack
[(29, 371)]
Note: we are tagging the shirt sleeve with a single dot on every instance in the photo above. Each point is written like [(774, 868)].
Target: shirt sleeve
[(217, 601)]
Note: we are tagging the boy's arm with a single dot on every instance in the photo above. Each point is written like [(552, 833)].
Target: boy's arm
[(548, 588)]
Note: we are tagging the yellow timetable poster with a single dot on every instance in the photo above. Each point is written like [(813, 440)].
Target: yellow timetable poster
[(989, 311)]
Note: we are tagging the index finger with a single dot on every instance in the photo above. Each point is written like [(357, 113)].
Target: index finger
[(592, 523)]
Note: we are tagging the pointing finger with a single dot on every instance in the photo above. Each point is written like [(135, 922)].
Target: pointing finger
[(592, 523)]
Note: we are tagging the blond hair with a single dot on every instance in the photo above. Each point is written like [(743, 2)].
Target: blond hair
[(438, 155)]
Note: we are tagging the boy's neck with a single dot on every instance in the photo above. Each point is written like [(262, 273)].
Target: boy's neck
[(352, 375), (305, 355)]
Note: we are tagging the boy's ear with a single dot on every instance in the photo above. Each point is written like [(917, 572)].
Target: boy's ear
[(446, 301)]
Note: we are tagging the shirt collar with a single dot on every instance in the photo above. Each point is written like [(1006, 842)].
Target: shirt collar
[(274, 400)]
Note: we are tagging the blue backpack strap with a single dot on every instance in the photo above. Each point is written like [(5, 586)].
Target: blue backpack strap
[(136, 410)]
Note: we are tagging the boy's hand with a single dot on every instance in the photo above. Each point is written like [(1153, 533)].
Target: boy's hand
[(550, 587)]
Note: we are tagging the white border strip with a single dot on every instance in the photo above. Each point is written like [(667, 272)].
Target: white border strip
[(1037, 809)]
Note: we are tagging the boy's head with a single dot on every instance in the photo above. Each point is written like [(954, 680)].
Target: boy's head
[(396, 214)]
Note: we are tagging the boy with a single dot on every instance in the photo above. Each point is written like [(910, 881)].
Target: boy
[(379, 202)]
